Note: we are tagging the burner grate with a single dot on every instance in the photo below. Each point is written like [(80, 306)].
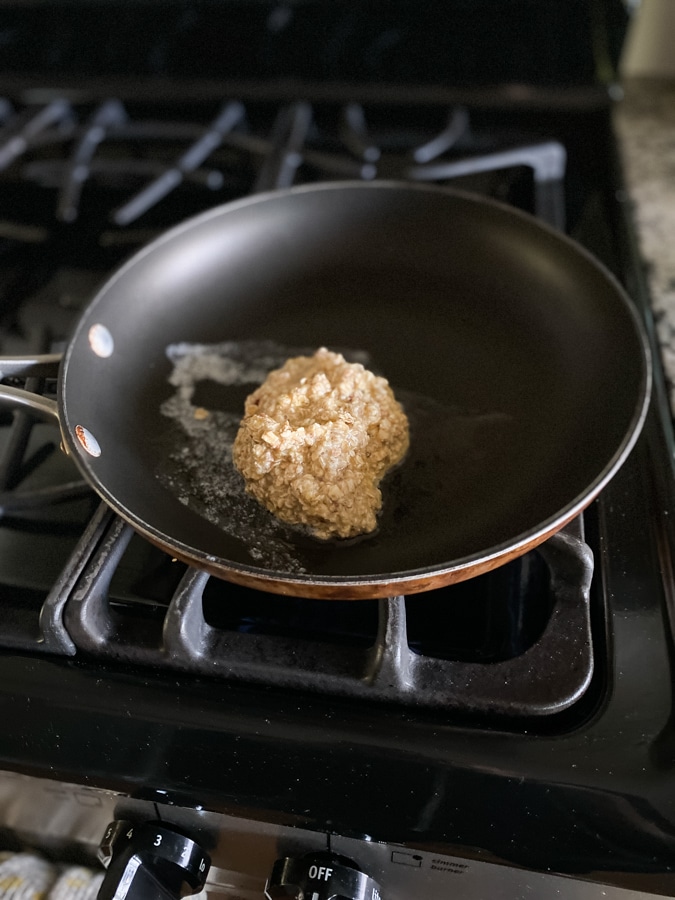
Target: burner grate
[(80, 615), (62, 147), (78, 175)]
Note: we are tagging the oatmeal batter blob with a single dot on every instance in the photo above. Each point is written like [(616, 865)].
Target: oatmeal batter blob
[(316, 439)]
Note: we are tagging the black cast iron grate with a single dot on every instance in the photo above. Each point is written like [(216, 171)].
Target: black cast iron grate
[(134, 164), (80, 615), (546, 678), (65, 147)]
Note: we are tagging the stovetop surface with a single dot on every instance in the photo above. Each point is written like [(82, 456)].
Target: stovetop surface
[(282, 752), (584, 788)]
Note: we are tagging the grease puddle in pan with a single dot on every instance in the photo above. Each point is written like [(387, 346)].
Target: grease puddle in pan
[(199, 468), (211, 382)]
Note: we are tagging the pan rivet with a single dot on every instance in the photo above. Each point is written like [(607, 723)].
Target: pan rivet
[(88, 441), (101, 341)]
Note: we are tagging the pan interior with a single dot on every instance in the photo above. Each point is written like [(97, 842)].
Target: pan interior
[(516, 358)]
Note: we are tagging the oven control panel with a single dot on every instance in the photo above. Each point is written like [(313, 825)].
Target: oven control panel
[(224, 857)]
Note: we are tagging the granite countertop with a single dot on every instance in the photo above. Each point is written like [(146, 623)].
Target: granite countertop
[(645, 124)]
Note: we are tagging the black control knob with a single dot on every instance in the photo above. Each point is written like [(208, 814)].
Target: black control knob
[(150, 862), (320, 876)]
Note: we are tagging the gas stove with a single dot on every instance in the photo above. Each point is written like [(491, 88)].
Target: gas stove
[(512, 730)]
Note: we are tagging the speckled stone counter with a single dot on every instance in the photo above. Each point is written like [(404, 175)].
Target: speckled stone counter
[(645, 124)]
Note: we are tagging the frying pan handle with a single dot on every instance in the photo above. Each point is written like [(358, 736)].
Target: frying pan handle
[(39, 366)]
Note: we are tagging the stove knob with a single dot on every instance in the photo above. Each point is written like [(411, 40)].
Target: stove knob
[(320, 876), (150, 862)]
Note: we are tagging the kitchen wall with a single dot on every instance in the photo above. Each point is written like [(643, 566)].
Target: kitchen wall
[(650, 43)]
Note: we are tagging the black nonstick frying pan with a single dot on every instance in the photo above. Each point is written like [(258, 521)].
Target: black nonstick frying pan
[(522, 366)]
